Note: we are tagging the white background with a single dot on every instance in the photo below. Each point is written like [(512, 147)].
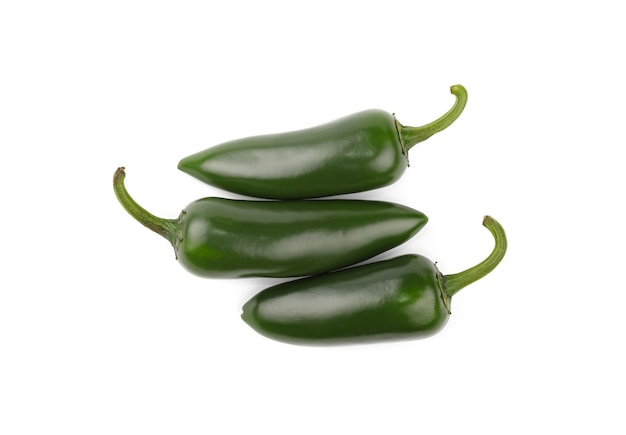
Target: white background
[(102, 332)]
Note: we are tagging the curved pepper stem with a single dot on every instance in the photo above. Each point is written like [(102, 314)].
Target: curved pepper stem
[(410, 136), (455, 282), (167, 228)]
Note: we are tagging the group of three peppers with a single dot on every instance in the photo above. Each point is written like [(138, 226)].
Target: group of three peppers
[(292, 233)]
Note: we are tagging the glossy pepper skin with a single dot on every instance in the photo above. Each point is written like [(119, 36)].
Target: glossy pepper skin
[(404, 297), (360, 152), (217, 237)]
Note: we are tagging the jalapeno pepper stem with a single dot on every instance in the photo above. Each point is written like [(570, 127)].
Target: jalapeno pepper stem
[(167, 228), (455, 282), (411, 136)]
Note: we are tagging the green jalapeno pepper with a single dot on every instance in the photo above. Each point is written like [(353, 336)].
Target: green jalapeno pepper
[(403, 297), (364, 151), (217, 237)]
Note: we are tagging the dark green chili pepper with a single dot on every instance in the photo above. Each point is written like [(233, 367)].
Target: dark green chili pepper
[(364, 151), (403, 297), (216, 237)]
